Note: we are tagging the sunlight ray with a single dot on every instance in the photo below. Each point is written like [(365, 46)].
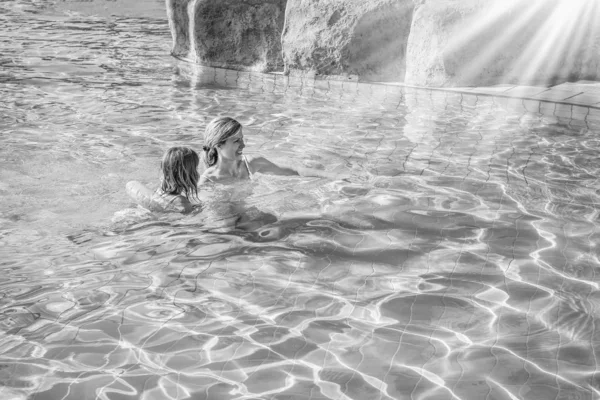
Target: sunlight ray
[(479, 24), (544, 56), (486, 57), (537, 59)]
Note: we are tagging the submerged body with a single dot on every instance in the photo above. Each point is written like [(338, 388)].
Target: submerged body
[(226, 163), (157, 200), (227, 167), (178, 185), (463, 267)]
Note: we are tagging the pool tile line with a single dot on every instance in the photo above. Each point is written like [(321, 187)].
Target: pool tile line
[(554, 102), (589, 99)]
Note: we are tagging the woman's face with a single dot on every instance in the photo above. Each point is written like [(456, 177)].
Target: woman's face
[(233, 147)]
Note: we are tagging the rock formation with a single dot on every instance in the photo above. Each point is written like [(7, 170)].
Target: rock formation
[(179, 22), (237, 34), (348, 37), (419, 42), (475, 43)]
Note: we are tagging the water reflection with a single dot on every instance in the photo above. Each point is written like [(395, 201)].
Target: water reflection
[(458, 260)]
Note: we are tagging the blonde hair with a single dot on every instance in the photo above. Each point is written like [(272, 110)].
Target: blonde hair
[(217, 132), (180, 172)]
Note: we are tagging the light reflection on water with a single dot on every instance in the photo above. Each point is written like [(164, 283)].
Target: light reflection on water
[(457, 261)]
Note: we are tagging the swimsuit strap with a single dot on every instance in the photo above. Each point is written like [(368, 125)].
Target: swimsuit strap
[(247, 167), (163, 196)]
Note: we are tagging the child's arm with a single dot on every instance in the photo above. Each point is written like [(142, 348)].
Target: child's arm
[(156, 201)]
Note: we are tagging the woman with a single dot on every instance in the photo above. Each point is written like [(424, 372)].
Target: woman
[(226, 164), (224, 158)]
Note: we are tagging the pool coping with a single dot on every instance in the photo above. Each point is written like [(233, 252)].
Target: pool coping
[(568, 101), (571, 101), (581, 93)]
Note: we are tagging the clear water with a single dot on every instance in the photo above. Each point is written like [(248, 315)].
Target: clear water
[(458, 260)]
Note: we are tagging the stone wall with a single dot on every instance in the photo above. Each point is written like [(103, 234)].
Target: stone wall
[(236, 34), (347, 37), (419, 42), (529, 42)]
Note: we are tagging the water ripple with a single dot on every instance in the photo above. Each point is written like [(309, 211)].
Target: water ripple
[(456, 260)]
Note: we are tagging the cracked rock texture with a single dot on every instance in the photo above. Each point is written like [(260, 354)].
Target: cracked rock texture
[(236, 34), (348, 37), (419, 42), (476, 42)]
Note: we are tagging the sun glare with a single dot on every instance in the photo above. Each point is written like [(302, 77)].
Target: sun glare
[(557, 46), (537, 42)]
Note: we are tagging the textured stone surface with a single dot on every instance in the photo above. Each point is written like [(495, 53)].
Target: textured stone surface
[(179, 22), (435, 43), (348, 37), (474, 42), (238, 34)]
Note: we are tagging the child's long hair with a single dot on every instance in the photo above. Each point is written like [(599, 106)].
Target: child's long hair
[(216, 133), (180, 172)]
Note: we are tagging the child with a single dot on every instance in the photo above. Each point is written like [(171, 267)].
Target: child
[(178, 185)]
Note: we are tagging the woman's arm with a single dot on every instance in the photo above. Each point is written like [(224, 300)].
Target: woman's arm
[(264, 166)]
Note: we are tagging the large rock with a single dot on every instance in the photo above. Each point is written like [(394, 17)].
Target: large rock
[(236, 34), (179, 22), (348, 37), (483, 42), (420, 42)]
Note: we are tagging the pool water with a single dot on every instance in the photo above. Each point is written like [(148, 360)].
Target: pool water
[(452, 256)]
